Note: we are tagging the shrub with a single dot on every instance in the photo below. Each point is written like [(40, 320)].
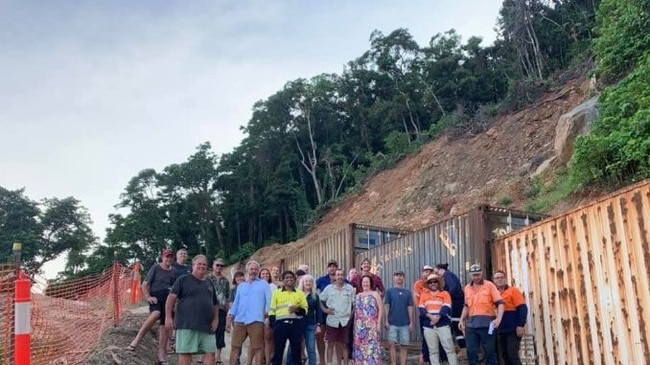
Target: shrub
[(618, 150), (505, 201), (624, 28), (397, 143)]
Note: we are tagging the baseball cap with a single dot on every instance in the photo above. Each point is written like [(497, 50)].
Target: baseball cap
[(475, 269), (427, 267), (398, 272), (167, 252), (332, 262)]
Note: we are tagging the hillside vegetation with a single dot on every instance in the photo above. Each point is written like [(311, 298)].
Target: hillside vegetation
[(406, 134)]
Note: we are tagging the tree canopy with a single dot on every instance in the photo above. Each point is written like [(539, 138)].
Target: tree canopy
[(46, 229), (319, 138)]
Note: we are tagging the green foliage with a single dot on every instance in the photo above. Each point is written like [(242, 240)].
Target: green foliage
[(398, 143), (618, 150), (505, 200), (535, 188), (447, 121), (624, 41), (437, 205), (247, 250), (550, 195), (46, 229)]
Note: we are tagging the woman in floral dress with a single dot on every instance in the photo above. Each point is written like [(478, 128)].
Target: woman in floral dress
[(367, 316)]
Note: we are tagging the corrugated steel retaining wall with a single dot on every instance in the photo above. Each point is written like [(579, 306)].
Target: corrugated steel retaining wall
[(586, 277), (336, 246), (459, 241)]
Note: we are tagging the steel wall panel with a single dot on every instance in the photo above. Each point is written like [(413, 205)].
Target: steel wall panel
[(337, 246), (585, 276), (459, 241), (446, 242)]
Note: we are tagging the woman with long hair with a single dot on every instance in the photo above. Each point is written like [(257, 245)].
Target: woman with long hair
[(237, 279), (313, 318), (368, 312)]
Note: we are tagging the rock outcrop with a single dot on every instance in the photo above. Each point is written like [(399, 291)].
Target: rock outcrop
[(575, 123)]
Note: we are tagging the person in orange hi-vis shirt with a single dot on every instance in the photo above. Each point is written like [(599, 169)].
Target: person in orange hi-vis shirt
[(515, 312), (418, 287), (481, 316), (435, 308)]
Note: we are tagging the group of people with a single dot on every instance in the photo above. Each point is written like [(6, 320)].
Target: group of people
[(333, 318)]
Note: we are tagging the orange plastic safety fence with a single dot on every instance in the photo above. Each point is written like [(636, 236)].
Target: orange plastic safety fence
[(68, 318), (7, 274)]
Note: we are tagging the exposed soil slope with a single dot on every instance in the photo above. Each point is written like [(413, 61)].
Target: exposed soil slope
[(452, 175)]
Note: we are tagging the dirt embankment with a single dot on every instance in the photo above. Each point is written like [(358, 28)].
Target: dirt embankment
[(452, 175)]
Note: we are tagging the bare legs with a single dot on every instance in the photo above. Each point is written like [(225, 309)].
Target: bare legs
[(146, 327)]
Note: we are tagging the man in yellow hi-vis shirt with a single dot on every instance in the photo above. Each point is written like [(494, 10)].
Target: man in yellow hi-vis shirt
[(288, 306)]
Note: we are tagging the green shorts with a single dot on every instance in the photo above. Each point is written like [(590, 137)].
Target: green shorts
[(194, 342)]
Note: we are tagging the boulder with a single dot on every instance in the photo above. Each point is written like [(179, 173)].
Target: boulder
[(543, 166), (571, 125)]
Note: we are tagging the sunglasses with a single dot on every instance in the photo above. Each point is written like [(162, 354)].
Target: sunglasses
[(218, 265), (433, 281)]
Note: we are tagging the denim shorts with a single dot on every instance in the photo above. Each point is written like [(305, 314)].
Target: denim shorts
[(399, 334)]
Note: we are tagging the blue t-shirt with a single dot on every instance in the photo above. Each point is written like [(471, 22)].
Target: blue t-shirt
[(323, 282), (399, 299), (181, 270)]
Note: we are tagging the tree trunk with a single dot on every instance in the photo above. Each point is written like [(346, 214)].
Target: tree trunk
[(415, 126), (310, 162)]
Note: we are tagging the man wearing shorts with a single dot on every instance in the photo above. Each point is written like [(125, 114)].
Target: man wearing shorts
[(246, 317), (197, 314), (155, 289), (336, 301), (399, 318)]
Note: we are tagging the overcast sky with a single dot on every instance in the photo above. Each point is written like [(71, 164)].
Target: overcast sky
[(92, 92)]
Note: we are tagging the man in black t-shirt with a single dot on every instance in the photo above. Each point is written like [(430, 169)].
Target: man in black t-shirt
[(155, 288), (197, 314)]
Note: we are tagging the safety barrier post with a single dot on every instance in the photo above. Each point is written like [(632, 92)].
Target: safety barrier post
[(136, 291), (116, 294), (22, 317)]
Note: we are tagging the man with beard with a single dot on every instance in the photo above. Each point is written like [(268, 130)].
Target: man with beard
[(249, 310), (336, 301), (479, 319)]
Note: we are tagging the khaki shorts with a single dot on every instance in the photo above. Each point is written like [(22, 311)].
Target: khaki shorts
[(254, 331)]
